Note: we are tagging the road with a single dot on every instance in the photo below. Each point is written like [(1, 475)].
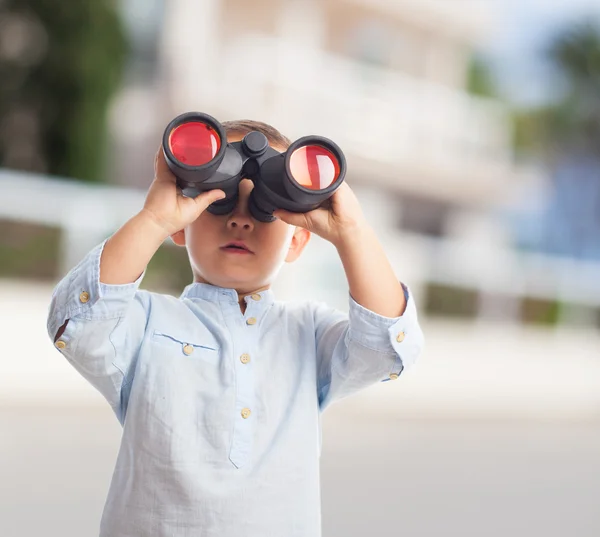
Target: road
[(381, 476), (495, 433)]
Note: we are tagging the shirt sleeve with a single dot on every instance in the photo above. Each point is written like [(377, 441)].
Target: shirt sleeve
[(105, 329), (357, 350)]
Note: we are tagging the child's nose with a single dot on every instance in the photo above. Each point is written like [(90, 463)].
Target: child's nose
[(240, 220), (240, 216)]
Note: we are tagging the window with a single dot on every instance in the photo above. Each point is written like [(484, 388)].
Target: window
[(371, 42), (425, 216)]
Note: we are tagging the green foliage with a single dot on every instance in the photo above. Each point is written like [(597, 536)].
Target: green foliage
[(33, 251), (540, 312), (450, 301), (572, 123), (28, 250), (59, 64), (480, 80), (534, 129), (576, 51), (169, 270)]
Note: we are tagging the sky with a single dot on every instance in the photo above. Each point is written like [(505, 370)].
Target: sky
[(515, 48)]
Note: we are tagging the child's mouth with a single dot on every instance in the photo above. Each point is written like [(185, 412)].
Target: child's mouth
[(237, 248)]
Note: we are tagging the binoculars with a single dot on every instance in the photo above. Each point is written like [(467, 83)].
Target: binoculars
[(299, 180)]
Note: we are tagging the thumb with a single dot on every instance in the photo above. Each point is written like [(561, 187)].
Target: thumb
[(294, 219), (206, 198), (286, 216)]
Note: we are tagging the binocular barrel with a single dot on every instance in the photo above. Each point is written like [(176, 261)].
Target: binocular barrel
[(197, 152)]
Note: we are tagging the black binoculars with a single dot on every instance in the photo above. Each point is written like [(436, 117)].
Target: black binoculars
[(299, 180)]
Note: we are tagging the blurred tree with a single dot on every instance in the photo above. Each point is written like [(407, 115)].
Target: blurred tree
[(59, 64), (480, 80), (566, 135), (572, 124), (576, 54)]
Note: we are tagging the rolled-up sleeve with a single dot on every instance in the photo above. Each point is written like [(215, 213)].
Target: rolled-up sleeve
[(106, 325), (362, 348)]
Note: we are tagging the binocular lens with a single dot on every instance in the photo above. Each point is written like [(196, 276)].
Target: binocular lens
[(194, 143), (300, 179), (314, 167)]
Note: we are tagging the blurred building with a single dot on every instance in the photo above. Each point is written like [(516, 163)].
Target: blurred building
[(387, 81), (433, 168), (384, 79)]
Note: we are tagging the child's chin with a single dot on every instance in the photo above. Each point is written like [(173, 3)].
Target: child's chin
[(233, 276)]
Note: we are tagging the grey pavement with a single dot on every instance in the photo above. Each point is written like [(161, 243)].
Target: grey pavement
[(495, 433), (381, 475)]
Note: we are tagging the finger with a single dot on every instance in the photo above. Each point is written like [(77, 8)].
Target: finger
[(294, 219), (206, 198), (310, 220), (327, 204), (341, 193), (162, 172)]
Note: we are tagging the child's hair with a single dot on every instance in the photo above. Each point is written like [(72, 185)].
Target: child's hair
[(244, 126)]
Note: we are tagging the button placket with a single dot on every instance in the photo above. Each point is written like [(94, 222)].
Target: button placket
[(251, 314), (245, 338), (254, 309)]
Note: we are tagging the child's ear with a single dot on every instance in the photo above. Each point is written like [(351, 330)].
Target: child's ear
[(179, 237), (299, 241)]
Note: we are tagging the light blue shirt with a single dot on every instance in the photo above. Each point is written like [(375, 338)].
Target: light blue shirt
[(221, 411)]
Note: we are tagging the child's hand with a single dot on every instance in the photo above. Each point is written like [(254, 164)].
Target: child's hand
[(166, 204), (336, 222)]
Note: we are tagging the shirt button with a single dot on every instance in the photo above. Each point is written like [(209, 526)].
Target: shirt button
[(60, 344), (251, 320), (245, 413), (245, 358), (400, 337), (394, 376), (255, 296), (84, 297), (188, 349)]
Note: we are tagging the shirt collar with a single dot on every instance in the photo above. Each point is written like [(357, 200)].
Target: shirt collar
[(214, 293)]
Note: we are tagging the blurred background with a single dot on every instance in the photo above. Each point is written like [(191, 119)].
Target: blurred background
[(472, 132)]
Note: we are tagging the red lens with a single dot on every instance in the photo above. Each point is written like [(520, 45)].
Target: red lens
[(314, 167), (194, 143)]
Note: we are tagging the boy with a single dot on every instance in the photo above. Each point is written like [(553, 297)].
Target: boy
[(219, 392)]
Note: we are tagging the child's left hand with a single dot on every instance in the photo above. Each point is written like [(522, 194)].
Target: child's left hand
[(337, 221)]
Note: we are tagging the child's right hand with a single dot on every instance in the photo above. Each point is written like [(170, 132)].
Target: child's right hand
[(166, 204)]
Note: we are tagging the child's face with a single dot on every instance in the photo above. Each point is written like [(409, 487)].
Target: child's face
[(271, 245)]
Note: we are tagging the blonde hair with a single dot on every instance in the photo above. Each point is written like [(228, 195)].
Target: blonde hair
[(244, 126)]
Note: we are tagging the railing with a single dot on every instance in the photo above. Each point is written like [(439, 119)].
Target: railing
[(83, 212), (467, 19), (87, 213), (374, 113)]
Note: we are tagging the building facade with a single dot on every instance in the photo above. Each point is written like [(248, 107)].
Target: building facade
[(387, 80)]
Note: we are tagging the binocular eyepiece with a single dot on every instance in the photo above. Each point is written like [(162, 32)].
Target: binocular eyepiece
[(299, 180)]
